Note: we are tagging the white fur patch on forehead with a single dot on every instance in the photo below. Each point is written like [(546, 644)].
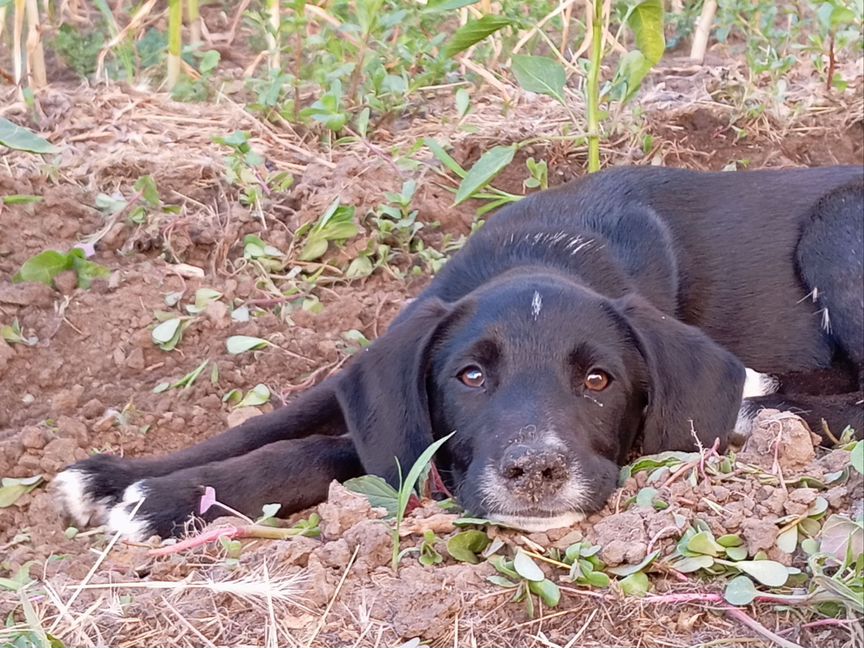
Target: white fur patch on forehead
[(536, 304)]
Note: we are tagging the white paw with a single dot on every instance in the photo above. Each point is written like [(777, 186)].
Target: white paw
[(759, 384), (73, 489), (126, 517)]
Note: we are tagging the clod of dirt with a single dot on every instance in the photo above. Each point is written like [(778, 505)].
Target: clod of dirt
[(66, 401), (344, 510), (6, 353), (66, 282), (759, 534), (799, 500), (33, 437), (374, 542), (422, 602), (241, 415), (782, 434), (622, 537), (27, 294)]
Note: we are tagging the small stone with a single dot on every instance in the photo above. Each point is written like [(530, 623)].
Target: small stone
[(33, 437), (58, 453), (72, 428), (135, 359), (66, 400), (93, 408), (211, 402), (30, 463), (217, 313)]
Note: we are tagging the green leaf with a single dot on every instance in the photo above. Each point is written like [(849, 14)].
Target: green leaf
[(542, 75), (736, 553), (473, 32), (596, 579), (646, 21), (504, 566), (740, 591), (146, 186), (434, 6), (839, 536), (377, 491), (730, 540), (501, 581), (484, 170), (788, 540), (85, 270), (269, 511), (627, 570), (465, 546), (856, 457), (163, 333), (693, 563), (20, 199), (209, 61), (548, 591), (463, 102), (258, 395), (21, 139), (12, 488), (704, 543), (413, 474), (663, 459), (526, 567), (767, 572), (242, 343), (635, 584), (43, 267), (443, 157), (646, 496)]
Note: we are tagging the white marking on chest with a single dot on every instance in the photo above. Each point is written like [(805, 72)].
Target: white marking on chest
[(759, 384), (536, 305)]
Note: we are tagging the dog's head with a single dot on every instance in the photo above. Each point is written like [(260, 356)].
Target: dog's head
[(547, 385)]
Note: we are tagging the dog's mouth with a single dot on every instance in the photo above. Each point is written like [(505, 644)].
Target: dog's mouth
[(537, 521)]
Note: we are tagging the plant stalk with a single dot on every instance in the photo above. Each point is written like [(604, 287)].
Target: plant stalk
[(274, 20), (193, 16), (35, 53), (593, 90), (175, 42)]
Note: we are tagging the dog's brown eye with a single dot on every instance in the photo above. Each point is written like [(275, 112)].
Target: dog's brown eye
[(597, 380), (472, 377)]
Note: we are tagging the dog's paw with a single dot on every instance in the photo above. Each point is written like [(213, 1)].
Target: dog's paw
[(759, 384), (160, 506), (86, 491)]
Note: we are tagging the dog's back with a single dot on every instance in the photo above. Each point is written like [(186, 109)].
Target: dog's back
[(716, 250)]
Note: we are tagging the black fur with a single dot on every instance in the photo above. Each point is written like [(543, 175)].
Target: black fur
[(669, 281)]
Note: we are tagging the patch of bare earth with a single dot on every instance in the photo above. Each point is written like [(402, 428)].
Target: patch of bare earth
[(88, 383)]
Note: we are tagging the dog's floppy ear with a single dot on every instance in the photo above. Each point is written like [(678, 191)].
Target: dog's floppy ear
[(382, 394), (695, 385)]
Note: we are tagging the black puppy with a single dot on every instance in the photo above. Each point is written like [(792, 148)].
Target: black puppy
[(613, 314)]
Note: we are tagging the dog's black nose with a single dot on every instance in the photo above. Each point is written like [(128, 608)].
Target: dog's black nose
[(534, 471)]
